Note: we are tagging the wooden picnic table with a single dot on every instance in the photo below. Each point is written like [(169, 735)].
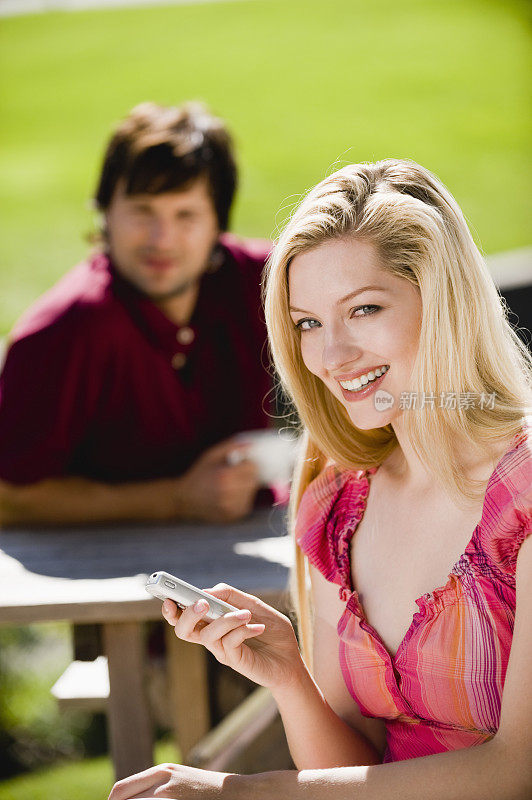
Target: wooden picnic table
[(97, 575)]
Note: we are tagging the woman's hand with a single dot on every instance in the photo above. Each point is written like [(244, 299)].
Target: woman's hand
[(257, 641), (170, 780)]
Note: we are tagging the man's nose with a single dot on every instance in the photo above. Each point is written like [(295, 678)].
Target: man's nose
[(163, 234), (339, 350)]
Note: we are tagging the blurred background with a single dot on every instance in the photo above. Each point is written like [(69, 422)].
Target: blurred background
[(306, 87)]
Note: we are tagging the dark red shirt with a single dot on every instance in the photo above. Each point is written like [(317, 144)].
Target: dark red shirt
[(99, 383)]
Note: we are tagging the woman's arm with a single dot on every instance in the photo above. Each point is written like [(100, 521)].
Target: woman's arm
[(262, 646), (501, 769)]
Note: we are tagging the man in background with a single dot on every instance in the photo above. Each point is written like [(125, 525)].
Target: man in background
[(124, 383)]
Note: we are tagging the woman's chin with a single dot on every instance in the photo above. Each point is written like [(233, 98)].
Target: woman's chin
[(369, 419)]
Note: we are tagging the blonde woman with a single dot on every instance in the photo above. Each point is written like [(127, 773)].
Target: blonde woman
[(411, 506)]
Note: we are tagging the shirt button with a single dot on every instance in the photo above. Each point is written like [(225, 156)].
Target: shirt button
[(185, 335), (179, 360)]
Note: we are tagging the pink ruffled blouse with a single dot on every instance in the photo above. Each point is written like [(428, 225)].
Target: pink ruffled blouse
[(442, 690)]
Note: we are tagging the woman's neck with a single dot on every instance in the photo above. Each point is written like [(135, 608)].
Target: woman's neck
[(404, 467)]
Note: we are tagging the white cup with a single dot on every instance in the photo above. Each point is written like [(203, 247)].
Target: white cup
[(273, 452)]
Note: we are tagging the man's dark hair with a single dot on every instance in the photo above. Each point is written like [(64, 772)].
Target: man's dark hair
[(158, 149)]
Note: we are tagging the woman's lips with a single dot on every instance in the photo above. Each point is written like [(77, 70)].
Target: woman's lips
[(353, 396)]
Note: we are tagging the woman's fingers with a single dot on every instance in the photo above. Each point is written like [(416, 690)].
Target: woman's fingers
[(150, 779), (190, 624), (170, 611), (213, 632), (235, 639), (190, 617), (220, 636), (225, 642), (186, 620)]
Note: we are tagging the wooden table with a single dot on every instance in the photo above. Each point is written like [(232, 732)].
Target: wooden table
[(97, 575)]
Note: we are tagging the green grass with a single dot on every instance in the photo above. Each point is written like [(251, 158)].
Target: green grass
[(90, 779), (305, 85), (48, 744)]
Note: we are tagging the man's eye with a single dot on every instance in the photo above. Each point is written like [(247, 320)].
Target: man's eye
[(307, 324), (362, 308)]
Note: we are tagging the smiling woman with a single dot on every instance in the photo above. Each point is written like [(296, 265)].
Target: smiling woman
[(409, 519), (350, 343), (391, 235), (393, 224)]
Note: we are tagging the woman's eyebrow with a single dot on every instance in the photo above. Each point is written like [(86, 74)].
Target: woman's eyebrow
[(372, 287)]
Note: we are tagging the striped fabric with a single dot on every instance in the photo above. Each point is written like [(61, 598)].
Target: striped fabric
[(443, 688)]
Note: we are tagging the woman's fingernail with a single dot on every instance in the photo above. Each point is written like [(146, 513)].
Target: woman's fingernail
[(200, 606), (244, 614)]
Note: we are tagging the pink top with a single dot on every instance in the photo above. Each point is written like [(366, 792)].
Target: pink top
[(443, 688)]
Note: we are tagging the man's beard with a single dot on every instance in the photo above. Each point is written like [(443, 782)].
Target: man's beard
[(176, 291)]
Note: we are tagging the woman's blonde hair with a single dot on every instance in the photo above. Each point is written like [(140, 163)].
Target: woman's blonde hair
[(466, 343)]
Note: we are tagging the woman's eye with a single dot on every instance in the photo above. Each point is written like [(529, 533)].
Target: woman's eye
[(307, 324), (363, 308)]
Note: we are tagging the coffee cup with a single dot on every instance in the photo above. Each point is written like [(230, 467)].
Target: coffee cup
[(273, 452)]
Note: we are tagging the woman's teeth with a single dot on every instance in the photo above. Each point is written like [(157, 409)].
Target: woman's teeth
[(359, 383)]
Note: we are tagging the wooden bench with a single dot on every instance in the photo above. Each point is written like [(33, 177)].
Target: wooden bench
[(84, 685), (250, 738)]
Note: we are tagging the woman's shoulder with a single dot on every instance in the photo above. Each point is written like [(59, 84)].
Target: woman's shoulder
[(332, 504), (507, 512)]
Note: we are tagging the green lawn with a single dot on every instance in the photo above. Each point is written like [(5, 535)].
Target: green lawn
[(305, 85), (90, 779)]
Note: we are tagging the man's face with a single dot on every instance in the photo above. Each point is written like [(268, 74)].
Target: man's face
[(161, 243)]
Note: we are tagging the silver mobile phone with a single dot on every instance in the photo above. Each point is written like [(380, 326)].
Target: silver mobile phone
[(166, 586)]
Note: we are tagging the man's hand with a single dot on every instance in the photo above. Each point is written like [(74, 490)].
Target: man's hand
[(214, 490)]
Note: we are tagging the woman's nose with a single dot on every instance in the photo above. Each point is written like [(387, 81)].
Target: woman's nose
[(339, 351)]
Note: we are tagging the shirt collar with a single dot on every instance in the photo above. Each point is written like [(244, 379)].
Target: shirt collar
[(165, 334)]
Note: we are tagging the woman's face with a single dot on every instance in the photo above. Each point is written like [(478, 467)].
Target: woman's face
[(350, 331)]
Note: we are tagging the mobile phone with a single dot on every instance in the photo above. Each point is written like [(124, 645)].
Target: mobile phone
[(166, 586)]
